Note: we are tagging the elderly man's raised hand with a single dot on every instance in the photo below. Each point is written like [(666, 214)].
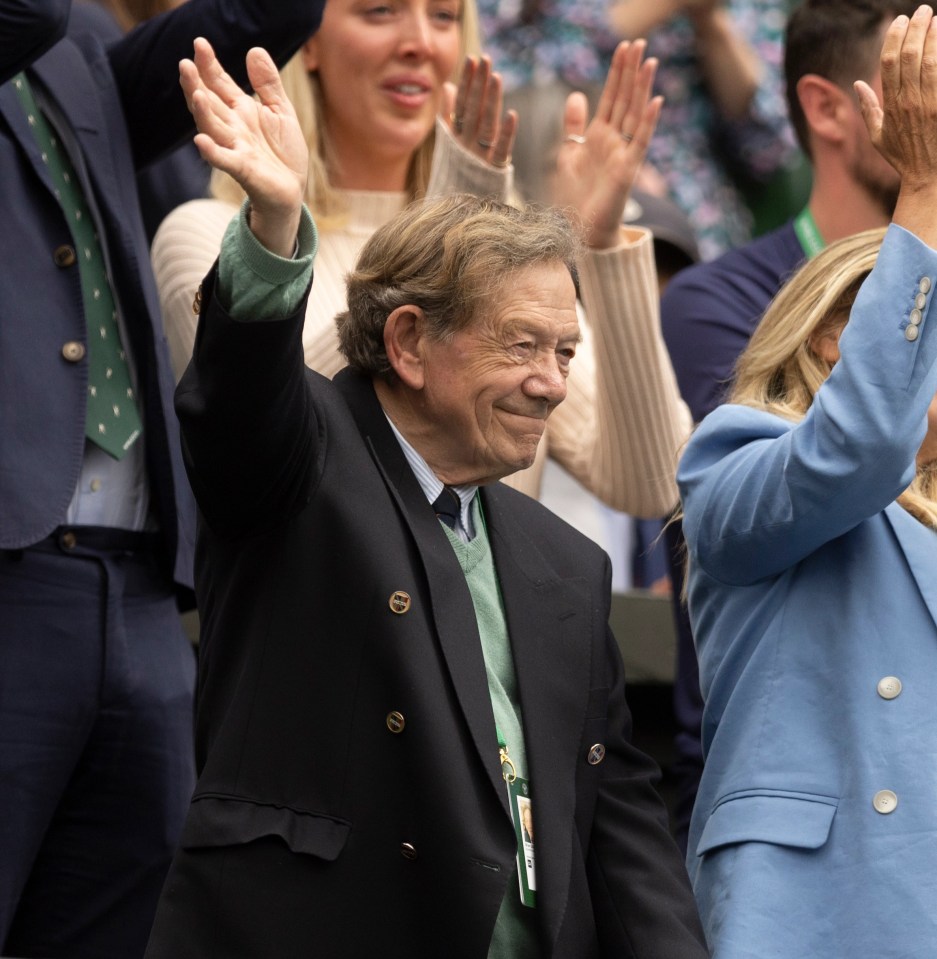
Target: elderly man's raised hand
[(257, 141), (597, 163), (904, 126)]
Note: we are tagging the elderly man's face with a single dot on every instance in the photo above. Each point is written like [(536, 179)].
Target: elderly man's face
[(489, 390)]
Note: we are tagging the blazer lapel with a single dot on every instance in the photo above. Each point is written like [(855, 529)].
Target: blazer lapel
[(13, 114), (919, 545), (452, 607), (549, 622), (67, 77), (69, 82)]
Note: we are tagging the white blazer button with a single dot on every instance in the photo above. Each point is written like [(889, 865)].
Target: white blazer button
[(885, 801), (924, 285), (920, 301), (910, 333), (916, 317), (889, 687)]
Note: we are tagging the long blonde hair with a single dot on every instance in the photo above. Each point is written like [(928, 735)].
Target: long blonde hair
[(305, 93), (781, 372)]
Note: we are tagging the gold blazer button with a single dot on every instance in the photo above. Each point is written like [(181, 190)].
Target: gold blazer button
[(596, 754), (399, 602), (64, 256), (395, 721)]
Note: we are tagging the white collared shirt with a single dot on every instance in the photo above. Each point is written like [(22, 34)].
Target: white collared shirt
[(432, 486)]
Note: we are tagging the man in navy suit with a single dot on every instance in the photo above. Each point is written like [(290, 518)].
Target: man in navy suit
[(96, 521)]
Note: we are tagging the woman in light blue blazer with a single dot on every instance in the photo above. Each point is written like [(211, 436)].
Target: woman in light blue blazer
[(810, 508)]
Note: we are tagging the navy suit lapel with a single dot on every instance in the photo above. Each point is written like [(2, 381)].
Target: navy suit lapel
[(549, 622), (919, 545), (452, 607), (13, 114), (69, 82), (66, 79), (66, 76)]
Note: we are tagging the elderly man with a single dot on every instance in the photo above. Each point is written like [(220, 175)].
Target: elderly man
[(398, 652)]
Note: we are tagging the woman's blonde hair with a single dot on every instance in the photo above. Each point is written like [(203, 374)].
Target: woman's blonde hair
[(305, 93), (781, 372)]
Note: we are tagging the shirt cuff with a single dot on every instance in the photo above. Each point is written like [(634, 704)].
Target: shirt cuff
[(253, 283)]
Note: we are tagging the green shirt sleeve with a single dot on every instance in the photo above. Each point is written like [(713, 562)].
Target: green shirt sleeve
[(255, 284)]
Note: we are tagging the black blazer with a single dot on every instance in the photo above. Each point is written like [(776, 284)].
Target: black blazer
[(316, 829)]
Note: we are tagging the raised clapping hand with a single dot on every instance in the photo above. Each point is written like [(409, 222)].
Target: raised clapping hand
[(904, 126), (597, 163), (473, 111), (256, 141)]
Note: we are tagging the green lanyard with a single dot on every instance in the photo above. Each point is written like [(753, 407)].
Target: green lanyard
[(507, 765), (807, 233)]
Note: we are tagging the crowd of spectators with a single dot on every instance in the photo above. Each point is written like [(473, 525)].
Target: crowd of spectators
[(297, 301)]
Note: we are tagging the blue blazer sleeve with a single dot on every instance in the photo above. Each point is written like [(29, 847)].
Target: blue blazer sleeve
[(761, 493)]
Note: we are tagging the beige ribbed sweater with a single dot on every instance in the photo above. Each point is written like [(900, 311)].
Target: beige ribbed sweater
[(623, 422)]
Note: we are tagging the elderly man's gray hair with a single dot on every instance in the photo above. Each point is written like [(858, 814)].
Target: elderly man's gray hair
[(449, 257)]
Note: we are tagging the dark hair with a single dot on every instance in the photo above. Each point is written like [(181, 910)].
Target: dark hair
[(449, 257), (839, 40)]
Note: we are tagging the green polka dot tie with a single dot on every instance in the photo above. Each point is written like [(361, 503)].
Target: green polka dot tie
[(112, 420)]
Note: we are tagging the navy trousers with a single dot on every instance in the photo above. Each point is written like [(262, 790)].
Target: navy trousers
[(96, 754)]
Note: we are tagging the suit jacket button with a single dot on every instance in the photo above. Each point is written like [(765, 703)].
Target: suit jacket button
[(407, 850), (924, 285), (885, 801), (910, 332), (889, 687), (399, 602), (395, 721), (64, 255), (596, 754), (68, 540), (73, 351)]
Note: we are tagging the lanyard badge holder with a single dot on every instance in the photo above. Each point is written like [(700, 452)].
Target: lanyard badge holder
[(522, 816)]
